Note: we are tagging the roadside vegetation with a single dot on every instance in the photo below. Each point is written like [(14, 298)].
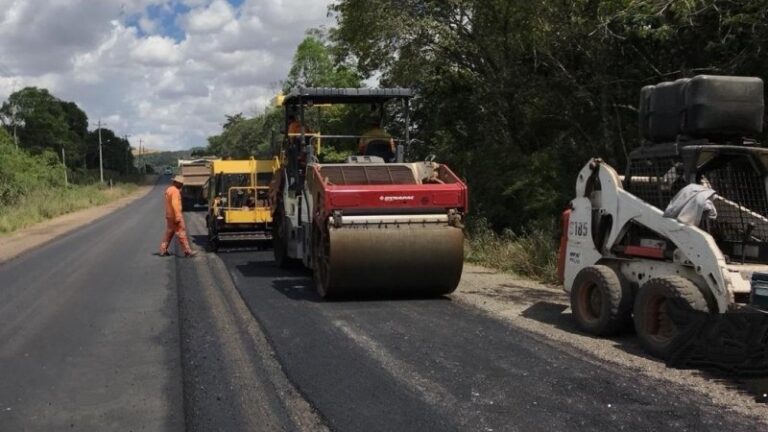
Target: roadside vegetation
[(531, 253), (32, 188)]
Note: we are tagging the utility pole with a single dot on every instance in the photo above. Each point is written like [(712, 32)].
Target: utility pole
[(141, 157), (14, 112), (101, 158), (64, 162), (15, 120), (125, 154)]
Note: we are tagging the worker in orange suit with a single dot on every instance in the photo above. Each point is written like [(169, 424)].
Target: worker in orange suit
[(174, 221)]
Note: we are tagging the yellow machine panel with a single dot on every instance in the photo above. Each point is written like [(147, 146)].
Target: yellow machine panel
[(239, 195)]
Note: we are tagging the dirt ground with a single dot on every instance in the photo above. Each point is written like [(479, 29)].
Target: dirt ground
[(35, 236), (545, 312)]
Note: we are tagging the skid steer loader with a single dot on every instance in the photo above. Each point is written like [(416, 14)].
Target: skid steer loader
[(686, 228)]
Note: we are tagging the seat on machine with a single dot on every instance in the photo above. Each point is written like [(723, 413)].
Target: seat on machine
[(380, 148)]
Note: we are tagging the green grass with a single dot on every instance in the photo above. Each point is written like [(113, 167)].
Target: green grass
[(32, 187), (531, 254), (42, 204)]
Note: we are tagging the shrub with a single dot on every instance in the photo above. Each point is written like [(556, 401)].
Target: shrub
[(32, 188), (531, 253)]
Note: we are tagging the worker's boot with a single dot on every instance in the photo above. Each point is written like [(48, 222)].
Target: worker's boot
[(164, 250)]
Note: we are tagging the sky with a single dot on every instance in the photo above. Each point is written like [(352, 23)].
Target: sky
[(164, 71)]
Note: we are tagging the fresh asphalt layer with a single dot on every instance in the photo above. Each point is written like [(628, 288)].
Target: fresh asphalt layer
[(97, 333), (430, 364)]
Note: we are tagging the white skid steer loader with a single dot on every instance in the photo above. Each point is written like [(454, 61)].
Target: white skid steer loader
[(623, 258)]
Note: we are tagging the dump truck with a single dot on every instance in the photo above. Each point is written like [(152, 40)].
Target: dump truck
[(685, 228), (366, 226), (239, 206), (196, 173)]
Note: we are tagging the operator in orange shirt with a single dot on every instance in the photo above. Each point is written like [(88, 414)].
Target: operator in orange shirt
[(174, 220), (377, 134), (294, 127)]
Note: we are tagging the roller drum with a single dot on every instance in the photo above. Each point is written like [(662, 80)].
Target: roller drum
[(404, 259)]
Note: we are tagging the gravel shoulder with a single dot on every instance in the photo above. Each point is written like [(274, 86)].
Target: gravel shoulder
[(24, 240), (544, 311)]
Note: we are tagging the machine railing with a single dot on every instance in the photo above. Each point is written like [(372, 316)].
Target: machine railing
[(242, 202)]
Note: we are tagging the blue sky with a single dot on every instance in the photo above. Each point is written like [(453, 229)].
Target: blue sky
[(165, 71), (167, 16)]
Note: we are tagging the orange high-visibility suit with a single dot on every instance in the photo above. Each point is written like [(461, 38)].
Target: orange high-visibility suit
[(174, 221), (294, 128)]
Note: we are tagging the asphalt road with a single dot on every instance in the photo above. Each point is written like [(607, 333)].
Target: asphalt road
[(416, 365), (89, 335), (96, 333)]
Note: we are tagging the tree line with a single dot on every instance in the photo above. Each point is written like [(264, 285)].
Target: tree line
[(516, 95), (39, 122)]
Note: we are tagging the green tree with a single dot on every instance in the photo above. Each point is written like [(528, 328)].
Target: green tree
[(516, 96), (44, 122), (313, 66), (116, 152), (245, 137)]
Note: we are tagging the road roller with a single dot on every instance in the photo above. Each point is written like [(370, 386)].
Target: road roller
[(371, 224)]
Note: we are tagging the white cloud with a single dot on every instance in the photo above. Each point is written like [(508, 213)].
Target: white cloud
[(170, 91), (209, 19), (156, 51), (148, 25)]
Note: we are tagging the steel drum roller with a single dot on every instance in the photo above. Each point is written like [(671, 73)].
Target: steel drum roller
[(408, 259)]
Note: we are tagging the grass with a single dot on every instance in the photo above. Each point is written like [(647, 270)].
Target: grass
[(41, 204), (32, 187), (531, 254)]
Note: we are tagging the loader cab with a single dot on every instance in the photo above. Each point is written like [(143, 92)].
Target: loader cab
[(703, 130)]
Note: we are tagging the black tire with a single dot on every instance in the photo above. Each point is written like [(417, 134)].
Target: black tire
[(601, 305), (658, 333), (213, 244), (320, 256), (280, 241), (213, 239)]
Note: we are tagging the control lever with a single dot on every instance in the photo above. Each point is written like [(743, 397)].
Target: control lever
[(747, 235)]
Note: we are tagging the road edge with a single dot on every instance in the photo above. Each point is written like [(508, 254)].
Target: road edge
[(26, 239)]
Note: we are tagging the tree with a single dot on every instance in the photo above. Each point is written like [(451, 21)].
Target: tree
[(44, 122), (116, 152), (313, 67), (516, 96), (242, 137)]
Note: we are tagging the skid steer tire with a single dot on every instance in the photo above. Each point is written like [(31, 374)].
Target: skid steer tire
[(601, 305), (658, 333)]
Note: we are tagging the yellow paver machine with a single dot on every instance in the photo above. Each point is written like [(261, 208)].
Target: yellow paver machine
[(239, 206)]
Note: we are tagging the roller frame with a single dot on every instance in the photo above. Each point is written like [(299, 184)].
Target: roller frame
[(439, 226)]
